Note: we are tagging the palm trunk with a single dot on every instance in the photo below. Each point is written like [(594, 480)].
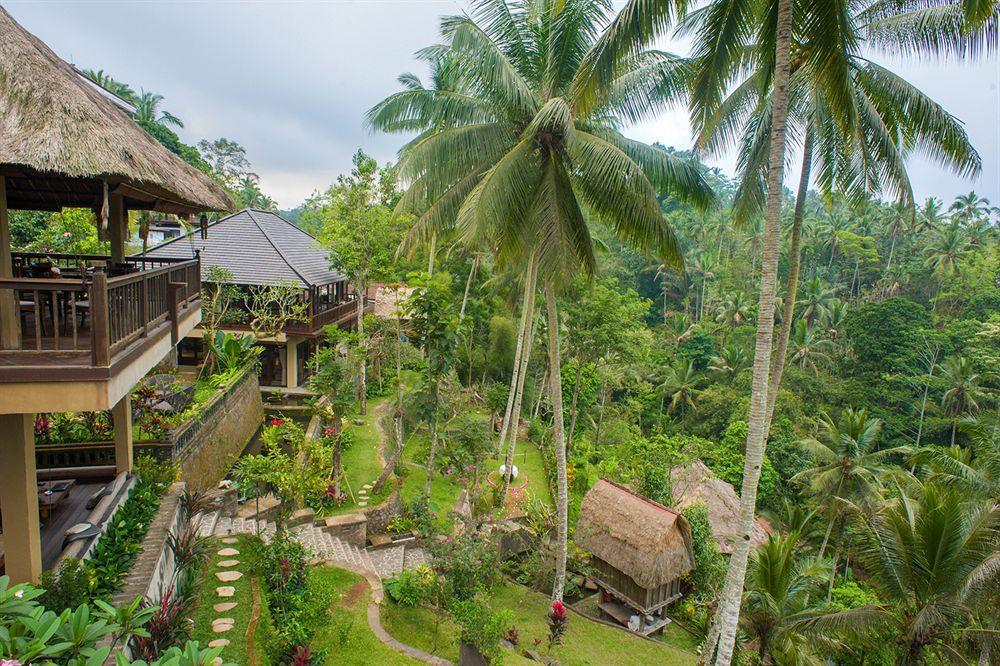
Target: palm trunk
[(362, 370), (892, 250), (432, 250), (541, 393), (337, 458), (526, 304), (728, 615), (573, 406), (923, 402), (468, 284), (792, 286), (522, 375), (558, 441), (600, 414), (826, 536)]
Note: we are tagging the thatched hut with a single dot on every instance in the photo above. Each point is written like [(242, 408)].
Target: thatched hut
[(639, 550), (694, 483), (62, 139)]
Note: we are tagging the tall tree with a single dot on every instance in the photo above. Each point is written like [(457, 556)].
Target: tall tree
[(511, 160), (147, 110)]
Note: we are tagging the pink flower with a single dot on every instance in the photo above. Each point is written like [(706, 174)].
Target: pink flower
[(558, 609), (328, 432)]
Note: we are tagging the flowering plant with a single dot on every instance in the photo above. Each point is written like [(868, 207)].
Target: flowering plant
[(558, 619)]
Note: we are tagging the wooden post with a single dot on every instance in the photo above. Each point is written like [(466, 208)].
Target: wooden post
[(117, 228), (19, 498), (121, 417), (291, 361), (10, 329), (173, 289), (100, 341)]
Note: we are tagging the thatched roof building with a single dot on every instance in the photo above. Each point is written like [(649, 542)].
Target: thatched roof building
[(640, 549), (694, 483), (61, 140)]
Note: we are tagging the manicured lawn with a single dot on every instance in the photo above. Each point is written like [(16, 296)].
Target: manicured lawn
[(361, 465), (444, 494), (585, 643), (346, 638), (236, 651), (528, 461)]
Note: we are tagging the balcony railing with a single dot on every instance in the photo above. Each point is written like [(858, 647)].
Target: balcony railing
[(84, 316)]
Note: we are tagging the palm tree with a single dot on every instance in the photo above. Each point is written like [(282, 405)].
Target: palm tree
[(931, 559), (108, 83), (834, 319), (782, 594), (147, 110), (730, 361), (681, 384), (510, 158), (968, 207), (946, 251), (930, 216), (849, 467), (734, 311), (950, 28), (817, 300), (963, 389), (809, 348), (974, 470)]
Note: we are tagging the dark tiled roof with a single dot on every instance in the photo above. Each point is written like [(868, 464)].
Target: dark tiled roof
[(257, 247)]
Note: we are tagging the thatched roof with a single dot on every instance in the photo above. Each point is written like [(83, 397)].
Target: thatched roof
[(390, 299), (59, 138), (694, 483), (644, 540)]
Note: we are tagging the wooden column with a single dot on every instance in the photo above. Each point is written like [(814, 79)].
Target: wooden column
[(19, 498), (121, 417), (10, 330), (117, 228), (291, 362)]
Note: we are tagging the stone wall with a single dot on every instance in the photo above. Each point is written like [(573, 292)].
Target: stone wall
[(380, 515), (350, 527), (208, 446), (153, 571)]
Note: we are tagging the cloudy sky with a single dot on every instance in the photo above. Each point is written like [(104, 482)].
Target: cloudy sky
[(290, 81)]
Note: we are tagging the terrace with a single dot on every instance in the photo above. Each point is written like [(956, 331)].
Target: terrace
[(85, 318)]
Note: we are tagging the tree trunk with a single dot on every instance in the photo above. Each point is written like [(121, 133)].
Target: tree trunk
[(923, 402), (430, 254), (526, 303), (826, 537), (337, 456), (434, 442), (573, 405), (792, 285), (522, 375), (468, 284), (541, 393), (728, 615), (892, 250), (362, 370), (600, 413), (558, 441)]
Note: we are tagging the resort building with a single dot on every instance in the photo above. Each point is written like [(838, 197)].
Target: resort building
[(256, 249), (78, 332), (640, 551)]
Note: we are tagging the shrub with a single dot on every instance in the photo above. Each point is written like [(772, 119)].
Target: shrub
[(68, 588), (413, 587), (709, 564), (156, 473), (482, 627), (470, 564)]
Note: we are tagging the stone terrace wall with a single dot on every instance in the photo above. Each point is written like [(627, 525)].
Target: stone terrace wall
[(208, 447), (155, 567), (380, 515)]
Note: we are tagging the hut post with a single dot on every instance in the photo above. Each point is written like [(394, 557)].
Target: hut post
[(10, 333)]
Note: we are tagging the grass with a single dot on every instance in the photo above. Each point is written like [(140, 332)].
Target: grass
[(236, 651), (361, 464), (346, 638), (528, 460), (585, 643)]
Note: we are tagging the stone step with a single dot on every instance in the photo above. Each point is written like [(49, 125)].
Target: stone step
[(414, 557), (206, 523)]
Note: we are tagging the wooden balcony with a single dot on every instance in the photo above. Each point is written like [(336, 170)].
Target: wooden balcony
[(87, 335)]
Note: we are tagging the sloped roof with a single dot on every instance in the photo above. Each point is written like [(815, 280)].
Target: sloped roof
[(258, 247), (694, 483), (644, 540), (56, 125)]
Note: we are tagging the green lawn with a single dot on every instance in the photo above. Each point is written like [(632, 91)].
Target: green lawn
[(586, 642), (528, 460), (361, 465), (236, 651), (346, 638)]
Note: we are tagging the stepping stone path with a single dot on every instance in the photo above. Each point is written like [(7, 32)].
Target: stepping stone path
[(225, 564), (225, 607), (230, 540), (218, 642), (225, 592), (228, 576), (228, 552)]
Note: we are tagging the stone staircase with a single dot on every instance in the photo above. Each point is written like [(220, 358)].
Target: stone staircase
[(384, 562)]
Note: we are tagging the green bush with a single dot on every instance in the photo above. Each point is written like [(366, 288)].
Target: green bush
[(67, 588), (413, 587), (482, 627)]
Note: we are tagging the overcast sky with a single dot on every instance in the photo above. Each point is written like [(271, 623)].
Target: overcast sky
[(290, 81)]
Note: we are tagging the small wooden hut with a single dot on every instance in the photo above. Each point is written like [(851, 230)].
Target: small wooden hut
[(640, 551), (694, 483)]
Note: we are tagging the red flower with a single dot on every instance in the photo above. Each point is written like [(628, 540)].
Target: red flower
[(277, 422), (558, 609)]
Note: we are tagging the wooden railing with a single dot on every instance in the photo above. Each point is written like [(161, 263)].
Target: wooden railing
[(22, 262), (95, 312), (335, 313)]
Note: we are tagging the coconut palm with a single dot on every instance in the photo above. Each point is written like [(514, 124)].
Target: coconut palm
[(834, 319), (809, 348), (932, 558), (730, 361), (930, 216), (680, 385), (734, 311), (147, 110), (963, 392), (511, 157), (968, 207), (816, 300), (946, 251), (849, 468), (101, 78), (782, 593), (972, 470)]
